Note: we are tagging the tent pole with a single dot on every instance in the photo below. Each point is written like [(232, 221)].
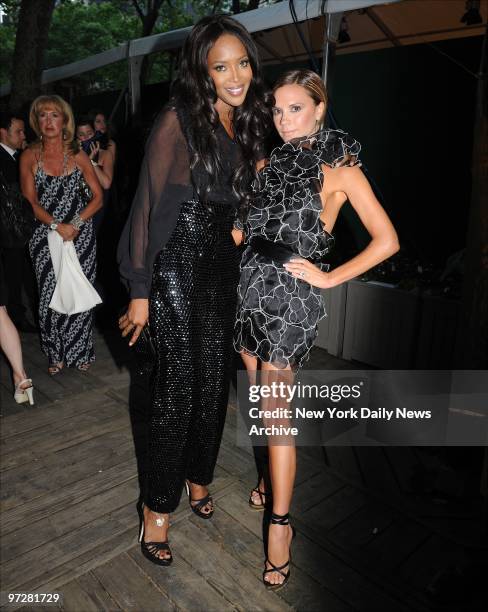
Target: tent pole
[(135, 66), (331, 33)]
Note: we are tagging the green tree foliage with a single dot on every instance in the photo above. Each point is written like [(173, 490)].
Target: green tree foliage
[(7, 44), (80, 29)]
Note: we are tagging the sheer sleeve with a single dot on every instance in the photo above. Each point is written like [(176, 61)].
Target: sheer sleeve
[(163, 184)]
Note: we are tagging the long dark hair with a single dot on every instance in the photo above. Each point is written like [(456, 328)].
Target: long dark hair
[(194, 91)]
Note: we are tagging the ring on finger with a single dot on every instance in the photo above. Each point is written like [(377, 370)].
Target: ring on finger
[(302, 274)]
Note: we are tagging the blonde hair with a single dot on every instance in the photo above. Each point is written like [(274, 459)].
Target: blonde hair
[(69, 142), (310, 81)]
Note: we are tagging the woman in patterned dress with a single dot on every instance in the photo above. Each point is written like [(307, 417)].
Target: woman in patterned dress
[(299, 193), (52, 172)]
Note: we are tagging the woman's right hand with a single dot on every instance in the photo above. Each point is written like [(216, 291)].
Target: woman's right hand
[(67, 231), (134, 319)]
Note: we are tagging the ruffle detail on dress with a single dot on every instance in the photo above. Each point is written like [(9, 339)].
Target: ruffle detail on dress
[(301, 159)]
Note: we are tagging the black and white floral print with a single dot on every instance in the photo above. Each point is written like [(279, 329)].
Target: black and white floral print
[(64, 338), (278, 314)]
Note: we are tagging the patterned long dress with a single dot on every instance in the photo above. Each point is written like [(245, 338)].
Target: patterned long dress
[(64, 338)]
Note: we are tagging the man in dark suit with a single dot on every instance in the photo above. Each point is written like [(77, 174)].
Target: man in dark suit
[(17, 267)]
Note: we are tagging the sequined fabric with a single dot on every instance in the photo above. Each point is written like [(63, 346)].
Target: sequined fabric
[(192, 312)]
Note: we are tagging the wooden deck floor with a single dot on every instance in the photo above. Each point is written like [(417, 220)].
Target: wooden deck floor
[(69, 488)]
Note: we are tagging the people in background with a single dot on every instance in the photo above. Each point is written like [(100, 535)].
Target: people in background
[(19, 278), (101, 125), (96, 146)]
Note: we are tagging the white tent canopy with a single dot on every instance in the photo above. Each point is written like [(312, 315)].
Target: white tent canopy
[(265, 18)]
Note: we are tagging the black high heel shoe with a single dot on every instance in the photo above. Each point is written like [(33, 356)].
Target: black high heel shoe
[(151, 549), (197, 504), (278, 519), (262, 499)]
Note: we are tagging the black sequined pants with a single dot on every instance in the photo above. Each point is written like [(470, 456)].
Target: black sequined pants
[(192, 313)]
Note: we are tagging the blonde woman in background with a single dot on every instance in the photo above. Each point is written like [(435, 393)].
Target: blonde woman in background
[(51, 172)]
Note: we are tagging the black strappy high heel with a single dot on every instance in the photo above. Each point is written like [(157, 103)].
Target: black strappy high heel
[(151, 549), (197, 504), (279, 519), (262, 496)]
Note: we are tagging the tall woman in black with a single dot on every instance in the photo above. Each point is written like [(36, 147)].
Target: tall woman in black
[(179, 257)]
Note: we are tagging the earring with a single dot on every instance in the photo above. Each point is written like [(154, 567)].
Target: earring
[(64, 134)]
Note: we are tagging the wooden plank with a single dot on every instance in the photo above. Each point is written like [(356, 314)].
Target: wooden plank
[(327, 569), (334, 509), (234, 460), (52, 438), (85, 594), (29, 481), (40, 378), (302, 591), (69, 381), (184, 587), (224, 573), (59, 496), (54, 413), (377, 471), (76, 565), (363, 526), (26, 571), (127, 584), (428, 561), (314, 490), (101, 541), (343, 459), (71, 517), (396, 543), (404, 465), (9, 407)]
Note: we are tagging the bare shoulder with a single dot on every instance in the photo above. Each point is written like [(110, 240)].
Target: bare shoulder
[(339, 178), (30, 153), (81, 158), (30, 158)]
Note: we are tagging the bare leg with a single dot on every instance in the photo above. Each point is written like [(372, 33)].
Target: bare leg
[(282, 467), (251, 364), (10, 345)]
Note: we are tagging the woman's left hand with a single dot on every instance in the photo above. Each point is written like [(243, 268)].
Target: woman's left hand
[(94, 150), (308, 272)]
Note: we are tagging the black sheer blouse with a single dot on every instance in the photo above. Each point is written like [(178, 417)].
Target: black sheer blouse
[(165, 182)]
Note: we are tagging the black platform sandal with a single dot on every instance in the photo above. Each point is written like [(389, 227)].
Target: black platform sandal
[(197, 504), (278, 519), (262, 495), (151, 549)]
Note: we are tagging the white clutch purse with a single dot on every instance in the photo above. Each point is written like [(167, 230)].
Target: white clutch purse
[(73, 293)]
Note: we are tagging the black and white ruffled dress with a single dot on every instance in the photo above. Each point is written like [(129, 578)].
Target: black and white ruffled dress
[(277, 313)]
